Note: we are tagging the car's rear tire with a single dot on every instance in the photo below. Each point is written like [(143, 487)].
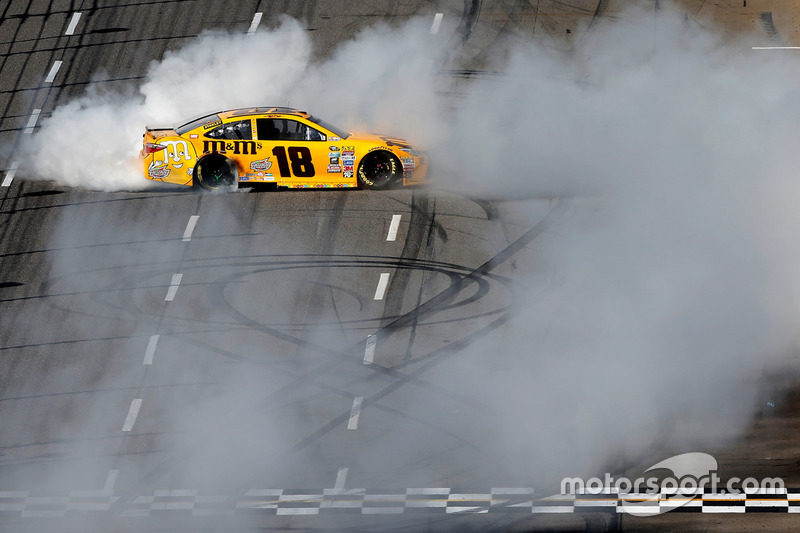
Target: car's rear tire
[(378, 170), (215, 172)]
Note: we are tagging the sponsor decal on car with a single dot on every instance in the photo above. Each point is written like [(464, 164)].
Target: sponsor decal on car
[(175, 154), (394, 141), (349, 159), (333, 148), (334, 169), (259, 176), (158, 170), (190, 171), (261, 164), (378, 148), (237, 147), (209, 125), (333, 154), (347, 168), (348, 174), (334, 139), (194, 136), (334, 160)]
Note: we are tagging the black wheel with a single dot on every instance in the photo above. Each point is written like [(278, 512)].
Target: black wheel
[(378, 170), (215, 172)]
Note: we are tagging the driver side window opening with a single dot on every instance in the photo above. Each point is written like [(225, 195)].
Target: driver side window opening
[(281, 129), (232, 131)]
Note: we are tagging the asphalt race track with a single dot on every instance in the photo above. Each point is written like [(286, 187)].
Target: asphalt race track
[(174, 361)]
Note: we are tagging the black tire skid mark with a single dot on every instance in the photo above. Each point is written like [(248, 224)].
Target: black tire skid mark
[(472, 9), (430, 306), (320, 350), (420, 229), (130, 283)]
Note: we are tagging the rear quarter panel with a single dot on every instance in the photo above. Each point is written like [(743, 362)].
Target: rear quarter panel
[(174, 164)]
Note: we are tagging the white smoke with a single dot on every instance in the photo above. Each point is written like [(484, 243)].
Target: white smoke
[(675, 287)]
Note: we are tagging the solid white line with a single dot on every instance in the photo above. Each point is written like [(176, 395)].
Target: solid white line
[(395, 224), (133, 412), (382, 283), (437, 21), (32, 121), (111, 478), (173, 287), (10, 174), (72, 23), (187, 234), (369, 351), (341, 477), (151, 350), (355, 412), (776, 48), (53, 71), (255, 23)]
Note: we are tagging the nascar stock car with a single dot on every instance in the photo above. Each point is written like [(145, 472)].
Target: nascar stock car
[(278, 145)]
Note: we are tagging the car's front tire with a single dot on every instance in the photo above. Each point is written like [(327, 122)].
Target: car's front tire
[(378, 170), (215, 172)]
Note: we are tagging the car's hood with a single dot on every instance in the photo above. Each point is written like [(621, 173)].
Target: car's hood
[(388, 139)]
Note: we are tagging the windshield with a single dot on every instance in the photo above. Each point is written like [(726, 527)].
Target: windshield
[(208, 119), (330, 127)]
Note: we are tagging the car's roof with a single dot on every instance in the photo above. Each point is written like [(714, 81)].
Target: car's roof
[(245, 111)]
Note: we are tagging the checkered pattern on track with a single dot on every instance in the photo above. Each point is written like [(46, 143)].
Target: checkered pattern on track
[(396, 501)]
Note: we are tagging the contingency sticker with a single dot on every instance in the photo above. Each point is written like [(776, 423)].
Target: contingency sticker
[(261, 165), (158, 170)]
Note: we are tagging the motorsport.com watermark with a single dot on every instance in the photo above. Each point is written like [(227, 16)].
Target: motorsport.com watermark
[(693, 475)]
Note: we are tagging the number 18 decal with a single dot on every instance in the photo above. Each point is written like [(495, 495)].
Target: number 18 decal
[(300, 157)]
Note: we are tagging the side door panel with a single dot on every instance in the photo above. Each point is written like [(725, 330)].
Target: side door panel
[(296, 161)]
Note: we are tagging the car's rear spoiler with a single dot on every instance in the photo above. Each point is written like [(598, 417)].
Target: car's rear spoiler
[(159, 128)]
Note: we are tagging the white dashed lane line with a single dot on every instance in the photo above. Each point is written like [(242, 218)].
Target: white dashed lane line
[(32, 121), (111, 479), (255, 23), (53, 71), (393, 227), (355, 412), (437, 21), (341, 478), (382, 284), (73, 23), (10, 174), (187, 234), (173, 287), (133, 412), (369, 350), (151, 350)]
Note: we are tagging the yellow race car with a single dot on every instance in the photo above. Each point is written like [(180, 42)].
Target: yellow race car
[(277, 145)]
